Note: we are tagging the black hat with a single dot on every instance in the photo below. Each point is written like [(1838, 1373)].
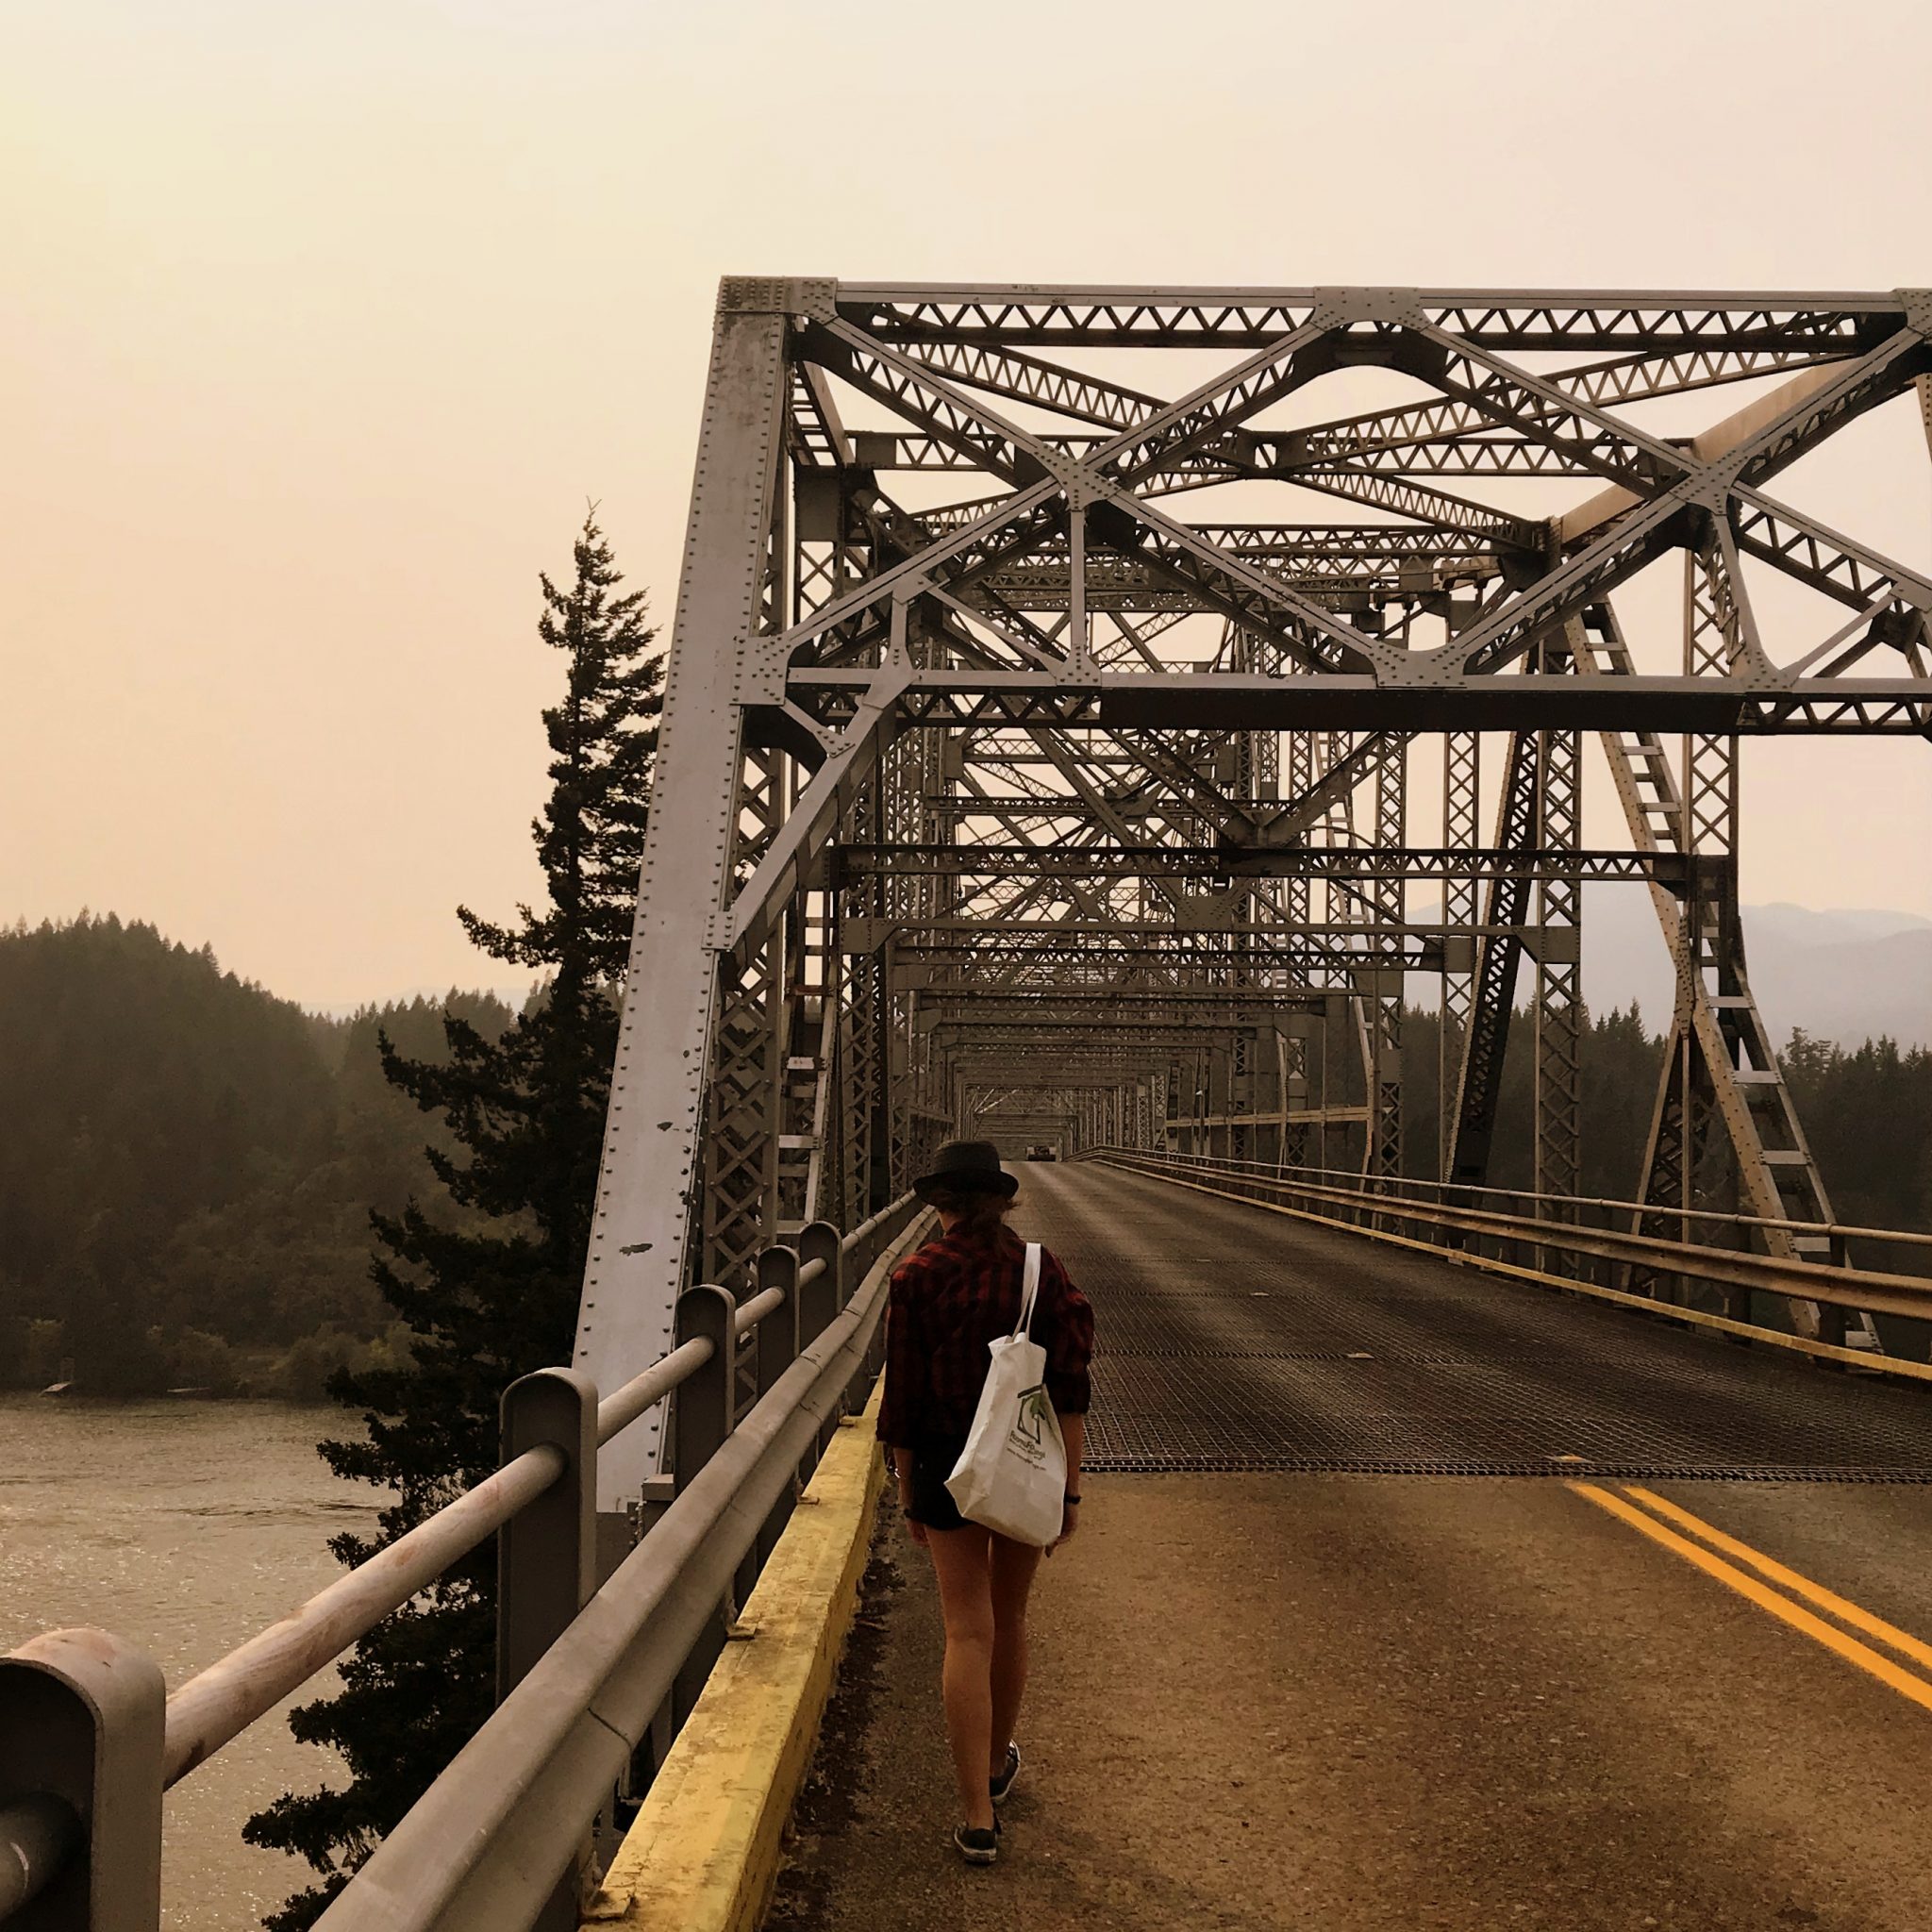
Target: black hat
[(970, 1166)]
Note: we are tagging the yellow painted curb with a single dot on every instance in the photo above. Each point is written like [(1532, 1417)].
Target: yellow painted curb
[(701, 1855)]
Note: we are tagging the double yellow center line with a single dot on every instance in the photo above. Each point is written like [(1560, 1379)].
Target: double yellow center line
[(1702, 1544)]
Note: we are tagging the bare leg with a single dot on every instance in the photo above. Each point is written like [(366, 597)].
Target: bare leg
[(1014, 1566), (960, 1558)]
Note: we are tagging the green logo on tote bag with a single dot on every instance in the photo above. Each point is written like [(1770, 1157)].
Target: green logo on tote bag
[(1031, 1420)]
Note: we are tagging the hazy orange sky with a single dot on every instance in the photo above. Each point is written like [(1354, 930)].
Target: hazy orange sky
[(319, 323)]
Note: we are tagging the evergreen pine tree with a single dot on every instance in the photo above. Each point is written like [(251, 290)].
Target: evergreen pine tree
[(489, 1283)]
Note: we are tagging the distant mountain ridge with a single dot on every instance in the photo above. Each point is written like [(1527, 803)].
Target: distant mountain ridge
[(1841, 973)]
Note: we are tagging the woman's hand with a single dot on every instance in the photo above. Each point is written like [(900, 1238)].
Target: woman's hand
[(1070, 1521), (916, 1530), (1073, 1436)]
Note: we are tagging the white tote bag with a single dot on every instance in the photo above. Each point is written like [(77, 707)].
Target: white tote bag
[(1011, 1476)]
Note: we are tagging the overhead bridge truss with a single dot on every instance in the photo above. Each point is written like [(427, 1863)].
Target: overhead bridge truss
[(1038, 733)]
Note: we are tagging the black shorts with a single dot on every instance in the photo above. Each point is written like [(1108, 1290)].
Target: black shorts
[(932, 1501)]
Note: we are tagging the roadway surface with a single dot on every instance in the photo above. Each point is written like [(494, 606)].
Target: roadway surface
[(1280, 1685)]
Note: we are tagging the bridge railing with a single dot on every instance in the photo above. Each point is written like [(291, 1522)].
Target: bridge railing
[(1603, 1246), (89, 1738)]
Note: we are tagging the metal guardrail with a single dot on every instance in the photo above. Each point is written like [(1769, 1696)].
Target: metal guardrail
[(1584, 1208), (1583, 1245), (88, 1740)]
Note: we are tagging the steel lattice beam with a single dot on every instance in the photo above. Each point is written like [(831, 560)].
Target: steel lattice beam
[(1058, 774)]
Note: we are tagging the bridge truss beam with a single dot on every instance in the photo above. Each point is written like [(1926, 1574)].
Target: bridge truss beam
[(960, 708)]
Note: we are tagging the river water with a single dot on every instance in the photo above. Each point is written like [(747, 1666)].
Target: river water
[(185, 1528)]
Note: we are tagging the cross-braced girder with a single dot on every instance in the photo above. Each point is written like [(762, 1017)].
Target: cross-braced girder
[(1071, 783)]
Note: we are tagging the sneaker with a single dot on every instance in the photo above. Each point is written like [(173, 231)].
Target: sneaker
[(977, 1845), (1006, 1776)]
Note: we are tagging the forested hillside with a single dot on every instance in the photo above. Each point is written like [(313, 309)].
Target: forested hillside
[(1867, 1111), (1620, 1059), (189, 1164)]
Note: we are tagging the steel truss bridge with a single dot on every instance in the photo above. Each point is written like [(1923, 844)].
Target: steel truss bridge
[(1009, 786), (1047, 673)]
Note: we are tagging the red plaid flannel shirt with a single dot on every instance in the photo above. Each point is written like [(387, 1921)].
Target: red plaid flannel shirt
[(949, 1299)]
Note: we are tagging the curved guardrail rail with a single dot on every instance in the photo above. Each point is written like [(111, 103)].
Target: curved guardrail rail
[(1580, 1245), (88, 1740)]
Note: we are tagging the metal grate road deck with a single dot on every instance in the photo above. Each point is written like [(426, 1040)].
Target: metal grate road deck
[(1232, 1339)]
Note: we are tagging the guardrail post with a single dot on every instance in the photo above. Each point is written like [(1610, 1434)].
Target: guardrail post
[(1735, 1301), (546, 1555), (1832, 1319), (858, 1266), (82, 1719), (777, 1350), (700, 1409), (653, 1502), (884, 1240), (701, 1419), (819, 1300)]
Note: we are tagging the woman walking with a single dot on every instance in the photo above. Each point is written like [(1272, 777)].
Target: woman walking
[(959, 1292)]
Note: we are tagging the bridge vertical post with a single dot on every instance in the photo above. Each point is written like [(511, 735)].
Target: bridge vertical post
[(1492, 1001), (777, 1350), (819, 1301), (1557, 1013), (546, 1555), (1220, 1100), (83, 1718), (681, 1004), (701, 1419), (1461, 794), (1382, 1008)]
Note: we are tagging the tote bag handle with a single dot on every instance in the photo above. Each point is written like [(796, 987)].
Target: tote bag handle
[(1029, 1292)]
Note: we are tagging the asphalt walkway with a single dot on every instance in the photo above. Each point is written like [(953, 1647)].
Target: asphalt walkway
[(1290, 1697)]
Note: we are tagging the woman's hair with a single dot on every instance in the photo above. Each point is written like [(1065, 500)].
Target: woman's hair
[(982, 1212)]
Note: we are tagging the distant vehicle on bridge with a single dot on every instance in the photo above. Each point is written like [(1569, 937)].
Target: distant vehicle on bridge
[(1040, 1150)]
